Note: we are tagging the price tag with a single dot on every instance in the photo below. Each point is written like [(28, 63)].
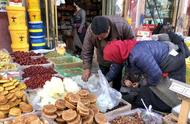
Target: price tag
[(180, 88)]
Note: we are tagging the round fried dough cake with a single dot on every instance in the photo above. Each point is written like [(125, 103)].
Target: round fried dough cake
[(69, 115)]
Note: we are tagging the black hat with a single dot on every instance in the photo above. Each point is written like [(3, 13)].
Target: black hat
[(100, 25)]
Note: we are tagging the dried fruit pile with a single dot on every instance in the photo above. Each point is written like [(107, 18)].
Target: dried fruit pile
[(30, 61), (24, 54), (38, 81), (135, 119), (25, 58), (35, 70)]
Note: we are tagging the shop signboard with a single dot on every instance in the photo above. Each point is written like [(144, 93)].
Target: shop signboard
[(3, 4)]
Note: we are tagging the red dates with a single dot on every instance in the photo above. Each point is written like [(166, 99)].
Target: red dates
[(35, 70), (38, 81), (25, 58)]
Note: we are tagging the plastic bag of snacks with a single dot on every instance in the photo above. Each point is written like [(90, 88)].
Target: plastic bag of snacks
[(4, 56), (9, 67)]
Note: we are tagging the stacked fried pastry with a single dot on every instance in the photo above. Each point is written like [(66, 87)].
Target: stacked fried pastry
[(28, 119), (13, 100), (75, 109)]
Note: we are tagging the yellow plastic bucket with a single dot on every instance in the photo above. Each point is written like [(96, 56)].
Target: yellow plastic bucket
[(14, 48), (19, 37), (188, 70), (35, 15), (33, 4), (16, 15)]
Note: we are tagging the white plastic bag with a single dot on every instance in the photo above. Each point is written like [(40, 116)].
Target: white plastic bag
[(107, 97)]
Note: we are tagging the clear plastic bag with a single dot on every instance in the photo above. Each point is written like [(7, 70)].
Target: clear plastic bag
[(4, 56), (147, 117), (151, 117), (107, 97)]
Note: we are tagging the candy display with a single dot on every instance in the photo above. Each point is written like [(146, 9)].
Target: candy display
[(35, 70)]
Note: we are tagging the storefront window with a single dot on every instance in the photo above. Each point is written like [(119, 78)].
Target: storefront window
[(158, 11)]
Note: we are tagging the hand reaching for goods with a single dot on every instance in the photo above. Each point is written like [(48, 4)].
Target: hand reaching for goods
[(129, 84), (86, 75)]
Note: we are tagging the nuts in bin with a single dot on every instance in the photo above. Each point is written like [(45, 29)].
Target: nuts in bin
[(135, 119)]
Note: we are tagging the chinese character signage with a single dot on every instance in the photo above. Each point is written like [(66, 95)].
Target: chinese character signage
[(3, 4)]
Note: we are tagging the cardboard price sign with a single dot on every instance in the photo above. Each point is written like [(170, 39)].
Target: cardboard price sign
[(184, 90), (3, 4), (180, 88)]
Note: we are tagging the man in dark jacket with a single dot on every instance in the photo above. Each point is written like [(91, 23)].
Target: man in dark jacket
[(102, 30), (153, 60)]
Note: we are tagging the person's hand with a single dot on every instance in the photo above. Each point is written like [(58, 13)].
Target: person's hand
[(86, 75), (80, 30), (128, 83), (135, 85)]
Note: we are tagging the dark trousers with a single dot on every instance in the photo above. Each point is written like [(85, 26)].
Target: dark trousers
[(150, 98), (117, 81), (81, 37)]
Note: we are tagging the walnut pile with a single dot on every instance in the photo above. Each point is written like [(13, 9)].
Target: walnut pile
[(136, 119)]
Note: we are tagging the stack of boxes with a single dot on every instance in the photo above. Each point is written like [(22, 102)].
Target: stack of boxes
[(36, 27), (18, 28)]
